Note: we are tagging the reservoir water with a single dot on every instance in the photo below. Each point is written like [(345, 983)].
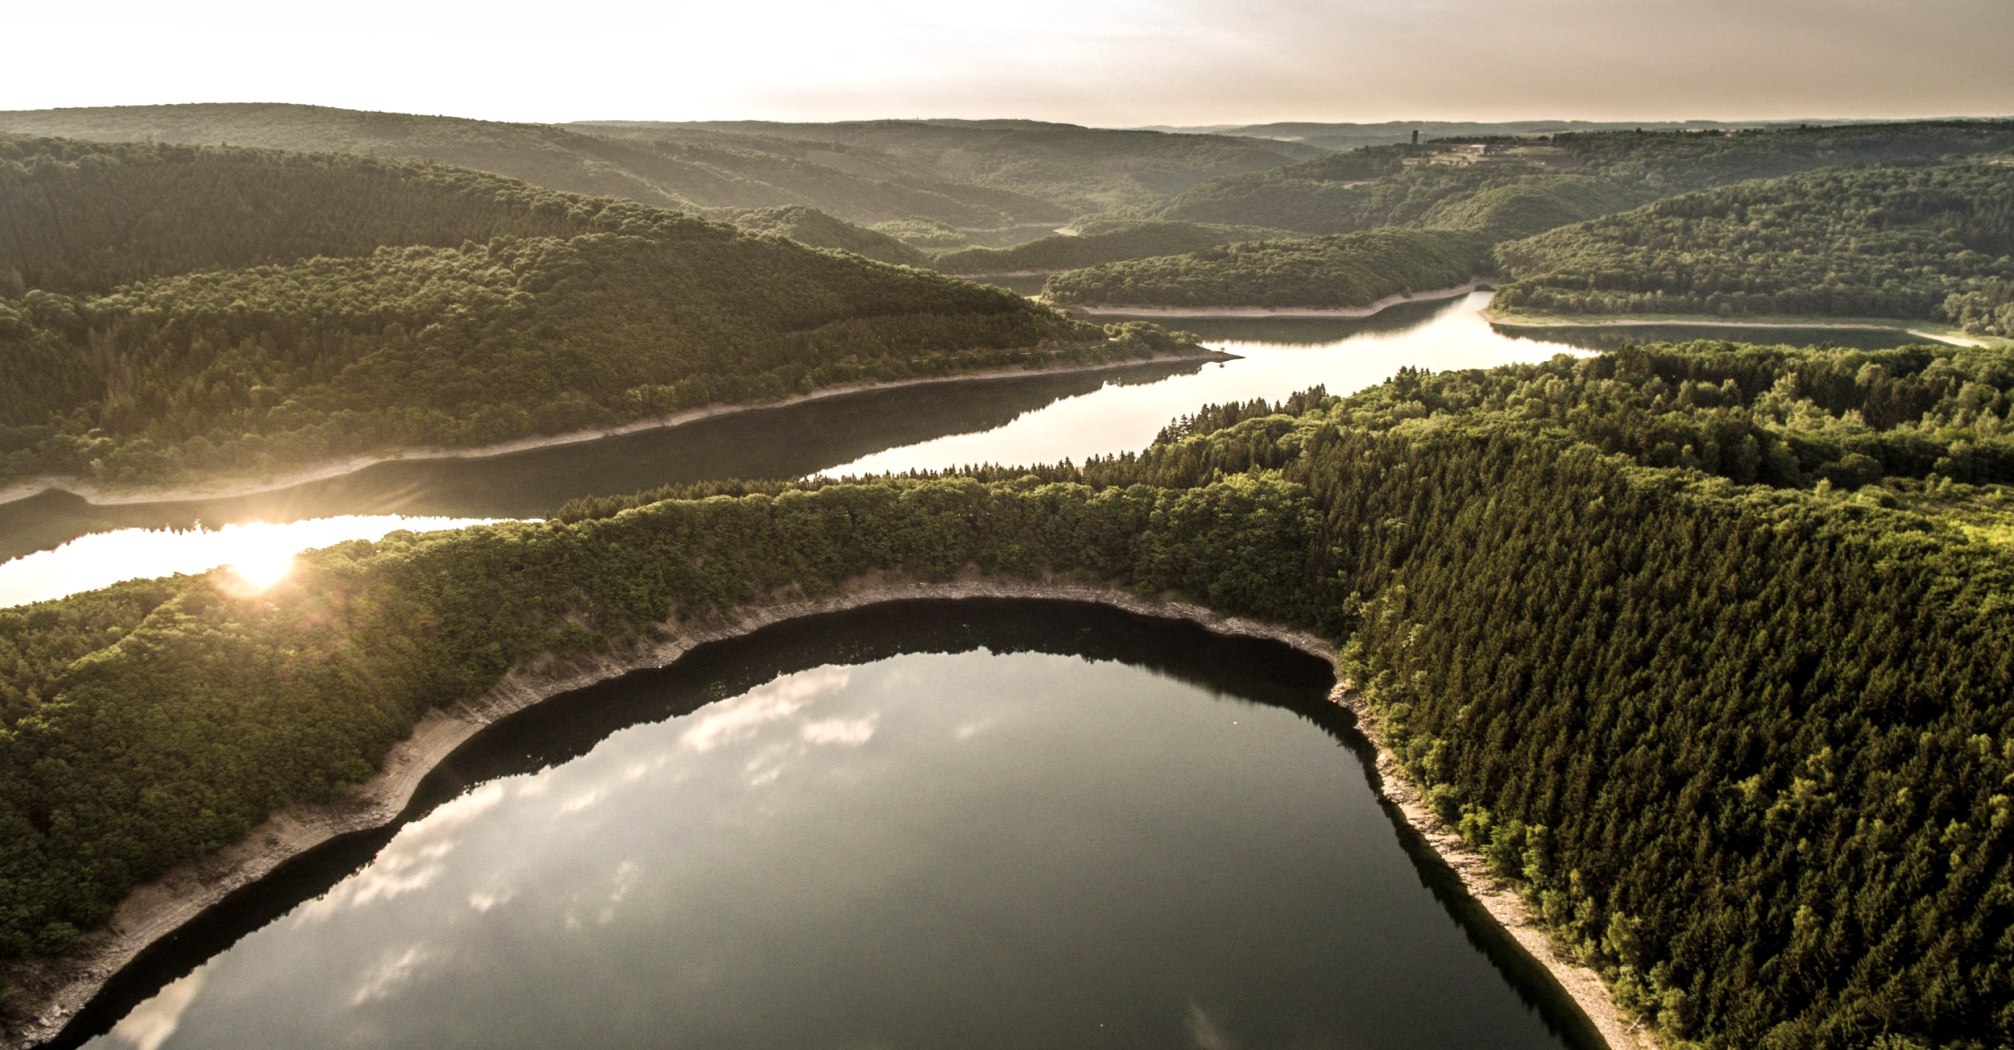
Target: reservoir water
[(969, 824), (1037, 418), (980, 824)]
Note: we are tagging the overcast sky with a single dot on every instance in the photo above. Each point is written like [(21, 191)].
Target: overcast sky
[(1102, 62)]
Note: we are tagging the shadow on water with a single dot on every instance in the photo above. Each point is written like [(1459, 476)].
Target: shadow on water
[(763, 443), (1249, 670)]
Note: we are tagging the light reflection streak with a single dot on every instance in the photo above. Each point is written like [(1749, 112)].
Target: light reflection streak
[(263, 552)]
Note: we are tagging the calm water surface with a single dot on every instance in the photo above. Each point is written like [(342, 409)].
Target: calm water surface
[(1023, 420), (988, 824)]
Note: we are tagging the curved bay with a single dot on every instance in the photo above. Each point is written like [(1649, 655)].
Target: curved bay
[(919, 824)]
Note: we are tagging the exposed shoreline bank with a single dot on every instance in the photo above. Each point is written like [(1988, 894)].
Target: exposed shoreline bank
[(59, 988), (1367, 310), (1685, 321), (234, 489), (1510, 912)]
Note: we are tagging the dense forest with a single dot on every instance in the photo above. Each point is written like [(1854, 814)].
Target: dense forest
[(969, 174), (1350, 270), (88, 217), (1928, 242), (1585, 173), (1079, 169), (814, 228), (927, 234), (544, 312), (1705, 647), (1097, 243)]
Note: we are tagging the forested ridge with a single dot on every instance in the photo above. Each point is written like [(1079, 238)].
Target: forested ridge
[(814, 228), (1102, 243), (1928, 242), (1529, 188), (88, 217), (1706, 646), (1585, 173), (1349, 270), (1078, 169), (971, 174), (695, 171), (403, 304)]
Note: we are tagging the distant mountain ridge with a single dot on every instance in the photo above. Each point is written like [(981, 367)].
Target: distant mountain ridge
[(1343, 135), (971, 175)]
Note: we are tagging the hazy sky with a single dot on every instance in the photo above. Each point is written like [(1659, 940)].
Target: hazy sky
[(1106, 62)]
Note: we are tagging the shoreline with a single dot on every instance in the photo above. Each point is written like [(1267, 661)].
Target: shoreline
[(1683, 321), (58, 988), (1508, 910), (1369, 309), (103, 497)]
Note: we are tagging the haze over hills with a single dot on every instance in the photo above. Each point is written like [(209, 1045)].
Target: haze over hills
[(1083, 169), (981, 175), (1703, 649), (1344, 192), (1343, 136)]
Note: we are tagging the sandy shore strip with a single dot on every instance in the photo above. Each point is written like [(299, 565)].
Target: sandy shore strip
[(1514, 321), (47, 992), (234, 489), (1366, 310), (1510, 911)]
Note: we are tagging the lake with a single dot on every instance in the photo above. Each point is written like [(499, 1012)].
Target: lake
[(923, 824)]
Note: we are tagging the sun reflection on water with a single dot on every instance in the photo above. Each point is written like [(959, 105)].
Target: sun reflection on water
[(259, 554)]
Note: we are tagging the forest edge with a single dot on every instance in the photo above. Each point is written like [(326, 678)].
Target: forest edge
[(59, 987)]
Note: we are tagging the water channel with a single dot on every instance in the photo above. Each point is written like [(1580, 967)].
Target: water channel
[(1038, 418)]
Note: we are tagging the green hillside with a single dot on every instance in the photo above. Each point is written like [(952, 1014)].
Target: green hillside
[(1703, 647), (87, 217), (691, 171), (814, 228), (1097, 243), (1370, 187), (1917, 242), (1349, 270), (1080, 170), (545, 312), (927, 234)]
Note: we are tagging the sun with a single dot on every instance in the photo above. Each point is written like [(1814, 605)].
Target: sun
[(260, 554)]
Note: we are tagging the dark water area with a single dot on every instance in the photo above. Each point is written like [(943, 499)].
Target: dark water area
[(922, 824), (765, 443), (1595, 337)]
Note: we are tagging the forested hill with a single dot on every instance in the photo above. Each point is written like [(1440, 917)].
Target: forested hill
[(1927, 242), (1349, 270), (1101, 243), (978, 175), (1076, 168), (1707, 648), (1375, 187), (87, 217), (436, 306), (809, 226)]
